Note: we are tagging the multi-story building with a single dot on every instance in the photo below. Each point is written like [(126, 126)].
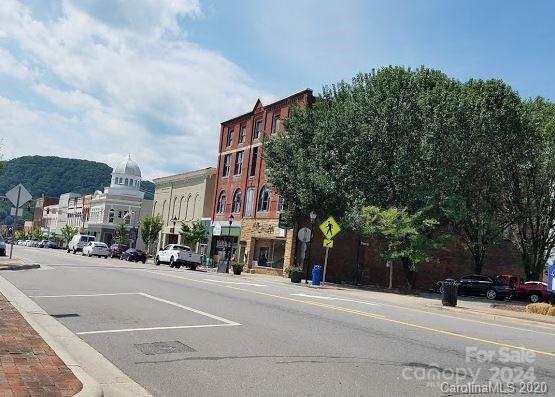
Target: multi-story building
[(63, 213), (50, 220), (183, 198), (121, 203), (246, 209), (40, 204)]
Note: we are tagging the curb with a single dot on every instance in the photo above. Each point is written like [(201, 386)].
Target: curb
[(19, 267), (106, 377)]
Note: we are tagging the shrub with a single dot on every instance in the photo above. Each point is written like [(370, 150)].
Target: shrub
[(541, 308)]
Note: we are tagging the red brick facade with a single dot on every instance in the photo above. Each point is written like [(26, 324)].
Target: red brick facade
[(239, 139)]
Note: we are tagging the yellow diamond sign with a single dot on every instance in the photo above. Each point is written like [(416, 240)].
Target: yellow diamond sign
[(330, 228), (328, 243)]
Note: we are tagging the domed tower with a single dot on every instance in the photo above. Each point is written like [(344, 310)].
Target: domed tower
[(126, 178)]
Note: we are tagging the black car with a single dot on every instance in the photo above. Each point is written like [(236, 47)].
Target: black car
[(133, 255), (2, 246), (478, 285)]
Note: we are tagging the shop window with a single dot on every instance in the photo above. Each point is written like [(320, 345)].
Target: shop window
[(269, 253)]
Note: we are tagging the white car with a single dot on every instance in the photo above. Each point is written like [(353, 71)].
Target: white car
[(178, 255), (96, 249), (78, 242)]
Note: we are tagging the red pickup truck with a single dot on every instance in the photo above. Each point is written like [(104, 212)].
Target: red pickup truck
[(534, 291)]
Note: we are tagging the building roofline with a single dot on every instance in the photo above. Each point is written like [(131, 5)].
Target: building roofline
[(305, 91), (186, 175)]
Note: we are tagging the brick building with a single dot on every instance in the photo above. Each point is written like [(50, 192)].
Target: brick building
[(40, 204), (246, 209)]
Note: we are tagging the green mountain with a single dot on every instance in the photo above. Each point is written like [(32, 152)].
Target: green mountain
[(52, 176)]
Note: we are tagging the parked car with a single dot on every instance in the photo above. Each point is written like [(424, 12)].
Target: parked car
[(534, 291), (42, 243), (178, 255), (2, 246), (478, 285), (34, 242), (51, 244), (78, 242), (133, 255), (95, 248), (117, 249)]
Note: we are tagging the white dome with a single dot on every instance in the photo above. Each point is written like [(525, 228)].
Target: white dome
[(128, 167)]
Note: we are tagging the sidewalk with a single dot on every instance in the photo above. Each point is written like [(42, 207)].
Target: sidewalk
[(28, 366), (15, 264)]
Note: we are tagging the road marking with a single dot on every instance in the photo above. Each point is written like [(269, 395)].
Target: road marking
[(84, 295), (234, 282), (212, 316), (115, 331), (331, 298), (367, 314)]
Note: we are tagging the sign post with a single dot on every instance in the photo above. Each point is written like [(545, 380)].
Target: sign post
[(18, 196), (330, 228)]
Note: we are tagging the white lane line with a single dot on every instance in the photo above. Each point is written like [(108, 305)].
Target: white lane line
[(114, 331), (83, 295), (330, 298), (223, 320), (234, 282)]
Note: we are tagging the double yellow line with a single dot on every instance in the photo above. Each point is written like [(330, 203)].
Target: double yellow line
[(360, 313)]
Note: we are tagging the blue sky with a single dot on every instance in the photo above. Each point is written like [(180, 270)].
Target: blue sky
[(98, 79)]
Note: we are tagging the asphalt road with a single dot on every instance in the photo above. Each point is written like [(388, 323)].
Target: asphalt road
[(192, 333)]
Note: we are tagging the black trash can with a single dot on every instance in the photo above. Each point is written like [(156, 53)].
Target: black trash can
[(449, 290)]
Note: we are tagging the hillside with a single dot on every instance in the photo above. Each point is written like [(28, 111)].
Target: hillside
[(52, 176)]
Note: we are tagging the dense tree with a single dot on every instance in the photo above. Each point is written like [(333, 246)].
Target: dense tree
[(196, 233), (68, 232), (405, 237), (150, 228), (121, 233), (530, 201)]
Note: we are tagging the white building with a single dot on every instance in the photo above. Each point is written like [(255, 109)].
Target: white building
[(121, 202)]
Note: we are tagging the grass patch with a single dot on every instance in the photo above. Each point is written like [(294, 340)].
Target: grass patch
[(541, 308)]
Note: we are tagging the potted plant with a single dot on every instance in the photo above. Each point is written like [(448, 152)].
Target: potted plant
[(237, 268), (296, 274)]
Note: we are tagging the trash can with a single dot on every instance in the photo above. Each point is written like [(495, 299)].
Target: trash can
[(449, 290), (316, 275)]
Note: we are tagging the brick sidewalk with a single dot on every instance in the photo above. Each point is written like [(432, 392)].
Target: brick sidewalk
[(28, 366)]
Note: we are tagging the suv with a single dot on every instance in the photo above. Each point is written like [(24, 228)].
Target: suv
[(534, 291), (2, 246), (78, 242), (117, 249), (478, 285)]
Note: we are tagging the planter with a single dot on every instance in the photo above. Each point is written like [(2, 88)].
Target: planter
[(237, 270), (296, 277)]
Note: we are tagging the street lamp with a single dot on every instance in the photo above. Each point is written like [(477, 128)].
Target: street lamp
[(229, 244), (313, 217)]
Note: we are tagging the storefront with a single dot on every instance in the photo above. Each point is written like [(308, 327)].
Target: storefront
[(223, 236), (265, 248)]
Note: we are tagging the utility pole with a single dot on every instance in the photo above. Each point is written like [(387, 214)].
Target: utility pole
[(15, 218)]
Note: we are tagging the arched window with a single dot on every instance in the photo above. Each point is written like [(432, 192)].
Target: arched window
[(163, 209), (126, 181), (181, 205), (237, 196), (264, 199), (173, 209), (220, 208), (194, 206), (130, 182), (187, 207)]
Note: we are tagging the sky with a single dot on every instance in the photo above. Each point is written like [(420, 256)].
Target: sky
[(101, 79)]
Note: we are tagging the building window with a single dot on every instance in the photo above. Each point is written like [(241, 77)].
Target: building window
[(243, 134), (264, 200), (229, 138), (119, 214), (257, 130), (238, 163), (237, 201), (227, 165), (249, 203), (281, 204), (275, 125), (220, 208), (126, 181), (254, 159), (111, 216), (130, 182)]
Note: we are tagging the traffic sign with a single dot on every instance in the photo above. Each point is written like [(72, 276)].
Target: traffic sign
[(551, 278), (19, 195), (304, 235), (328, 243), (330, 228)]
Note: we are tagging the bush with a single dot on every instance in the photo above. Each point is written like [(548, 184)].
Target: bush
[(541, 308)]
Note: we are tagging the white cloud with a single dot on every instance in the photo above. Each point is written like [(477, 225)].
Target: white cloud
[(123, 79)]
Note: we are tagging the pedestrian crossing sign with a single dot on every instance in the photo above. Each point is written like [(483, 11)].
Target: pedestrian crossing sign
[(328, 243), (330, 228)]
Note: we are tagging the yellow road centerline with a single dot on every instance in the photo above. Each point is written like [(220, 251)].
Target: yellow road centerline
[(363, 314)]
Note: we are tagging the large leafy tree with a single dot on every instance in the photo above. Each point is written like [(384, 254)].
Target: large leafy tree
[(121, 232), (68, 232), (530, 201), (196, 233), (150, 228)]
